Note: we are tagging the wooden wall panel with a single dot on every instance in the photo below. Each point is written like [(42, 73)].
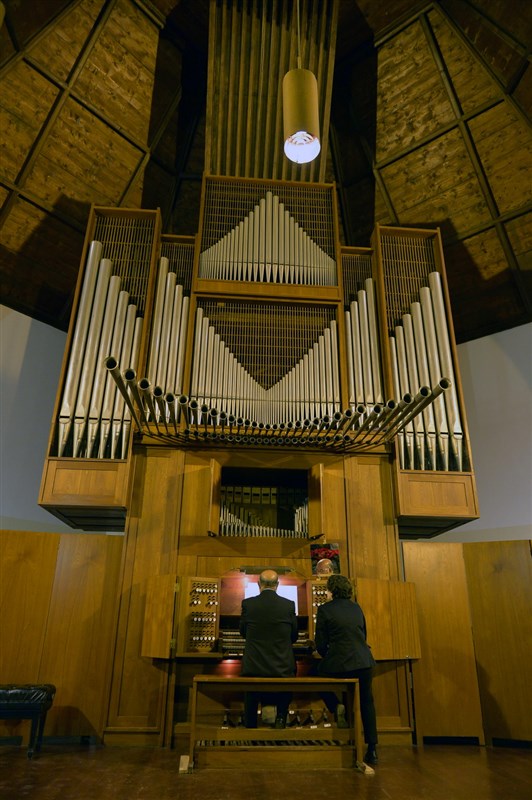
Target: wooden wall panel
[(391, 618), (27, 567), (499, 576), (138, 685), (333, 509), (445, 681), (157, 631), (403, 613), (370, 518), (200, 472), (81, 623), (57, 603), (390, 691), (374, 598)]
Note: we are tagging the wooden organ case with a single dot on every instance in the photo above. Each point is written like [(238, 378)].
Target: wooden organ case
[(230, 399)]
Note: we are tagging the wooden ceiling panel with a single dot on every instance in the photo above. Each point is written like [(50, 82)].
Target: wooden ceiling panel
[(523, 93), (35, 244), (82, 159), (471, 81), (381, 16), (104, 101), (497, 302), (519, 232), (499, 32), (30, 22), (411, 98), (58, 50), (118, 76), (504, 145), (452, 197), (25, 100)]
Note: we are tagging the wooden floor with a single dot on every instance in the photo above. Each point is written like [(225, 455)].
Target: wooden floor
[(436, 772)]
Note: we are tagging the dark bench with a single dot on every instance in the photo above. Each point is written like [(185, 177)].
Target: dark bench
[(28, 701)]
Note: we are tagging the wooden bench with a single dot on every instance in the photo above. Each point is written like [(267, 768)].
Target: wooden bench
[(212, 744), (28, 701)]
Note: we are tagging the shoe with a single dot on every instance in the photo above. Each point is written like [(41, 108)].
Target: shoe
[(280, 722), (371, 756), (341, 721)]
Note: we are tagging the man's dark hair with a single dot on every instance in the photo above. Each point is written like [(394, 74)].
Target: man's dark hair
[(339, 586)]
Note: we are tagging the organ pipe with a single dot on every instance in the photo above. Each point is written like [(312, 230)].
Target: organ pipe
[(290, 396), (268, 246), (79, 339)]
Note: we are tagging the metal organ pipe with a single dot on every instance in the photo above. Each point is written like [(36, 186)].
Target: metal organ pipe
[(93, 335), (78, 344), (119, 404), (424, 379), (112, 365), (98, 385), (435, 373), (421, 354), (157, 317), (110, 387), (444, 347), (268, 246)]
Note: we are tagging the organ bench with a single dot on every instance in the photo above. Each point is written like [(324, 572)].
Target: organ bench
[(213, 745), (28, 701)]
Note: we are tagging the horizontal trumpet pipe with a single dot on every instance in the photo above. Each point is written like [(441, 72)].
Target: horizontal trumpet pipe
[(171, 403), (158, 395), (112, 365), (423, 399), (143, 389), (131, 380)]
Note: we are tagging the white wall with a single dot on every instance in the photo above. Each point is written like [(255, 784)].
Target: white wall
[(496, 375), (31, 354)]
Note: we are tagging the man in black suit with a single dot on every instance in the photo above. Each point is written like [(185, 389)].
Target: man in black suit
[(341, 641), (268, 623)]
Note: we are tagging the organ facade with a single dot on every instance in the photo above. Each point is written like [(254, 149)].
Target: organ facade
[(231, 399)]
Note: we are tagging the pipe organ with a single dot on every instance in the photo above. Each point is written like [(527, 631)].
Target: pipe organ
[(230, 398), (262, 332)]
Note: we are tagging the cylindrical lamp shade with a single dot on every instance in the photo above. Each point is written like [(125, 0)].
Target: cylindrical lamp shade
[(300, 116)]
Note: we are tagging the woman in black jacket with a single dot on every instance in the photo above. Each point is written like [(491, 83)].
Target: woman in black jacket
[(341, 641)]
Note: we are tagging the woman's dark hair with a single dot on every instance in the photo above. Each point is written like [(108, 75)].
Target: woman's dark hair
[(339, 586)]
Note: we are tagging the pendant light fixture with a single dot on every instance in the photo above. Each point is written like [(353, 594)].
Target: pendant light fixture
[(300, 111)]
